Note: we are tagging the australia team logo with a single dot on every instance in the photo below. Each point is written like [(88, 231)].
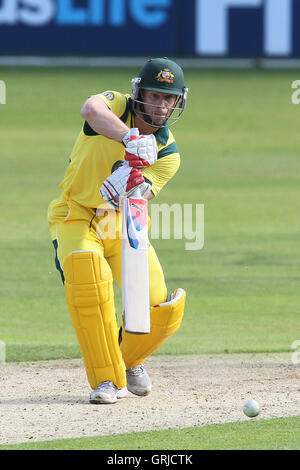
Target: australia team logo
[(165, 75)]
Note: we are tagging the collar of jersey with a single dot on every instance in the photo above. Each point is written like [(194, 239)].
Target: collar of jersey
[(163, 134)]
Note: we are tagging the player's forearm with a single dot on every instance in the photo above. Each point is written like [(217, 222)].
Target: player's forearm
[(102, 120)]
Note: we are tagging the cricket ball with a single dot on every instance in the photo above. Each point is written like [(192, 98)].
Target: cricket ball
[(251, 408)]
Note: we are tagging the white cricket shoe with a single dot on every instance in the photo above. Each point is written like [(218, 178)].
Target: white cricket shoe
[(138, 381), (107, 392)]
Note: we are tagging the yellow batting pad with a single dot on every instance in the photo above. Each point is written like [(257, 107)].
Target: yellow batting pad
[(165, 321), (90, 299)]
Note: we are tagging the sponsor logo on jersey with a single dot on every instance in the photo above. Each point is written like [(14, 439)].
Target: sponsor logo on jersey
[(110, 96)]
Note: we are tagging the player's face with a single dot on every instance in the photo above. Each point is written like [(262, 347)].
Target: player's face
[(158, 105)]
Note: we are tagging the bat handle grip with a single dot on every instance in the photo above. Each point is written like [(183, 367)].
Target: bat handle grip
[(134, 133)]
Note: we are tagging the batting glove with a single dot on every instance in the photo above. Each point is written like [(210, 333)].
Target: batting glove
[(140, 152), (122, 183)]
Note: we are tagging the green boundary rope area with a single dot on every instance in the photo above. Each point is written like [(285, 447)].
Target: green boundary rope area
[(272, 434)]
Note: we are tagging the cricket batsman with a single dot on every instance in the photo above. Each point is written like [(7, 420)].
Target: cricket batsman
[(90, 262)]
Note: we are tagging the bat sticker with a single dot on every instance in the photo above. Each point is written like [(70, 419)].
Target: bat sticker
[(136, 220)]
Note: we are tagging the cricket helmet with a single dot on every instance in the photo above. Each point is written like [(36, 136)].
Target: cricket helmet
[(165, 76)]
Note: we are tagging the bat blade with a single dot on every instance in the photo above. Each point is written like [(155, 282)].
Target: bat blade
[(135, 267)]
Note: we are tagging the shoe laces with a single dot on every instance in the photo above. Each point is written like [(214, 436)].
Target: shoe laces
[(107, 385), (137, 370)]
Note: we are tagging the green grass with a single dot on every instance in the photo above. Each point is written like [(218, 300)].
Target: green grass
[(239, 143), (274, 434)]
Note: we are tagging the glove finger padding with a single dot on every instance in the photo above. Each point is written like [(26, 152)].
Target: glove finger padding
[(135, 161), (141, 152), (121, 183)]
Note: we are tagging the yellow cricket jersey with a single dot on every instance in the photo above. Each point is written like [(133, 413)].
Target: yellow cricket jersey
[(94, 155)]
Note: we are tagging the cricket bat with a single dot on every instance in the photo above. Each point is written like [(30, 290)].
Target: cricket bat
[(135, 267)]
